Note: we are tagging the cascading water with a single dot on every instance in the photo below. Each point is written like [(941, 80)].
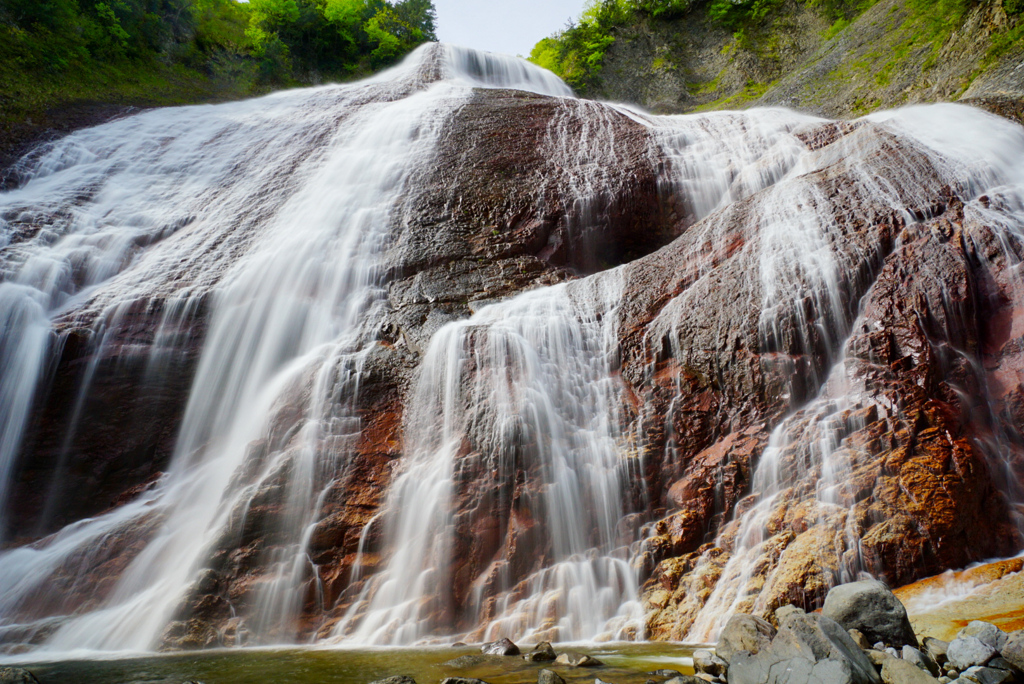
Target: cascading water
[(797, 262), (260, 233), (290, 318), (525, 385)]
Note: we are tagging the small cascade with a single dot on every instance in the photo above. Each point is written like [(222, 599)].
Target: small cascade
[(505, 517)]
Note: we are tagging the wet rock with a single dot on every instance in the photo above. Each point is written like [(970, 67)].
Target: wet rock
[(936, 648), (870, 606), (969, 651), (921, 660), (859, 639), (16, 675), (666, 673), (502, 647), (707, 662), (744, 633), (542, 652), (896, 671), (462, 680), (986, 632), (459, 644), (577, 660), (549, 677), (396, 679)]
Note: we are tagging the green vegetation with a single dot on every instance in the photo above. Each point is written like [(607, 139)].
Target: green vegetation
[(577, 52), (155, 52)]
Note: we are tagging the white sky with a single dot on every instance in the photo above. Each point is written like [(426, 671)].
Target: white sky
[(511, 26)]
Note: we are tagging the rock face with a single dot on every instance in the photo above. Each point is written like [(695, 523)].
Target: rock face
[(870, 607), (815, 349)]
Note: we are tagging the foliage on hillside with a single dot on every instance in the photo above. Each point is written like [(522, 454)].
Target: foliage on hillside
[(577, 52), (170, 51)]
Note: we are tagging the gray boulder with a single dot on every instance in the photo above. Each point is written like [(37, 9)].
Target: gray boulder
[(549, 677), (1013, 650), (808, 648), (921, 660), (987, 675), (541, 653), (897, 671), (969, 651), (870, 607), (502, 647), (760, 669), (707, 662), (16, 675), (816, 638), (744, 633), (986, 632), (396, 679)]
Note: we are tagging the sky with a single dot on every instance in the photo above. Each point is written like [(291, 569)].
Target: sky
[(510, 26)]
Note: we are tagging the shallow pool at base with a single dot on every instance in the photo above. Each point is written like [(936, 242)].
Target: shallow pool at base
[(624, 664)]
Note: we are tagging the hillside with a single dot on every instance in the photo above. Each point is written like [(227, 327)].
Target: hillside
[(835, 59)]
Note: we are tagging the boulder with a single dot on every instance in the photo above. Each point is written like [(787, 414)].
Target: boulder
[(969, 651), (683, 679), (16, 675), (896, 671), (870, 607), (1013, 650), (707, 662), (462, 680), (876, 657), (502, 647), (808, 648), (921, 660), (759, 669), (396, 679), (986, 632), (577, 660), (744, 633), (987, 675), (546, 676), (541, 653), (1003, 664)]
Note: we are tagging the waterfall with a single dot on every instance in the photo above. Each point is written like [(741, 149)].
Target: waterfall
[(298, 192), (256, 242)]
